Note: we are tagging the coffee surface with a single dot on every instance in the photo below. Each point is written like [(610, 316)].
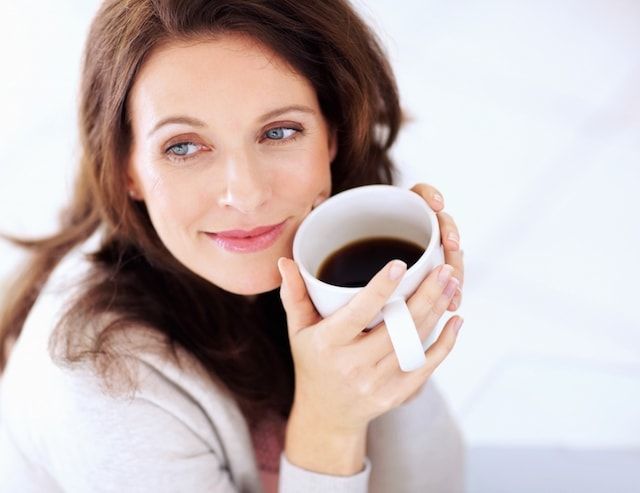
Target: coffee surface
[(354, 264)]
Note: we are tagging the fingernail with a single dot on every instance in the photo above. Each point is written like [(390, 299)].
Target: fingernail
[(397, 269), (444, 274), (453, 237), (451, 287), (458, 324), (438, 198)]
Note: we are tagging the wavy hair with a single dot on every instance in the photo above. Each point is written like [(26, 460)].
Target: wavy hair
[(134, 279)]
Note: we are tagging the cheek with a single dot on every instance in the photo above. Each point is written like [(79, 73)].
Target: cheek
[(169, 200), (301, 178)]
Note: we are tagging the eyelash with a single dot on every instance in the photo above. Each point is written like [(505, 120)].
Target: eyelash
[(176, 157)]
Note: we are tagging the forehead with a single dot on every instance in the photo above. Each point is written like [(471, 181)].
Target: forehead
[(227, 73)]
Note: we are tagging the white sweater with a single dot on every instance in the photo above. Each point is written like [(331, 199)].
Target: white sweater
[(59, 431)]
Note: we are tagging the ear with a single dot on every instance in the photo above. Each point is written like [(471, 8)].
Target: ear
[(333, 145), (132, 180)]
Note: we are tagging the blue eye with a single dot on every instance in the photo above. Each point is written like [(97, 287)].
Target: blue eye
[(281, 133), (182, 149)]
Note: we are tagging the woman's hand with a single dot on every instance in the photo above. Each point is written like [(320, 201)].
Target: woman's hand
[(345, 378), (450, 237)]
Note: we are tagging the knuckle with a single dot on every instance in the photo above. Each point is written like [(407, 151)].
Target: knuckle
[(365, 387), (446, 218), (349, 371)]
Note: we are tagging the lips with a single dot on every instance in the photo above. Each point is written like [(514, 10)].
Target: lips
[(247, 241), (241, 233)]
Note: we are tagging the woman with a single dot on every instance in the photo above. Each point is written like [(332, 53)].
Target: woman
[(148, 346)]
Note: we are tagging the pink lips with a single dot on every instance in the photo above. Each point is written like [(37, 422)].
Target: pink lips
[(242, 241)]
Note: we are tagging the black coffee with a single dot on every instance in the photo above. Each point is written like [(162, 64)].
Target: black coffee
[(353, 265)]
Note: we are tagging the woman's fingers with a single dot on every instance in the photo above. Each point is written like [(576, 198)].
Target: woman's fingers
[(399, 386), (435, 354), (346, 324), (456, 260), (456, 301), (427, 310), (453, 254), (431, 194), (300, 310), (426, 305), (448, 232)]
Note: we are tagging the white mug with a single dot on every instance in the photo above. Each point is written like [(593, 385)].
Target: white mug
[(368, 212)]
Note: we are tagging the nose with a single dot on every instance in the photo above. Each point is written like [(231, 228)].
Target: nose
[(246, 186)]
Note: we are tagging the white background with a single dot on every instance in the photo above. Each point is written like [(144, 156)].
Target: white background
[(526, 115)]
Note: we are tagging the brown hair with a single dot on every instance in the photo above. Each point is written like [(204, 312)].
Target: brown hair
[(134, 278)]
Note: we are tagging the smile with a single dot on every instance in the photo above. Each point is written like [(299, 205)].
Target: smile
[(248, 244)]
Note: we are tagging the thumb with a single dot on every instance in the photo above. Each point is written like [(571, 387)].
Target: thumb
[(300, 310)]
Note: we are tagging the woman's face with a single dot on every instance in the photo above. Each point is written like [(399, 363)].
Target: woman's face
[(226, 136)]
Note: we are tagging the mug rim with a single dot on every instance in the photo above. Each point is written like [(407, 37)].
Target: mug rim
[(434, 241)]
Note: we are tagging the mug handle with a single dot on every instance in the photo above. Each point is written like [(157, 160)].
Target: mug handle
[(404, 335)]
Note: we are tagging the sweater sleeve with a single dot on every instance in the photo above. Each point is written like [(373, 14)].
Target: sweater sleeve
[(295, 479)]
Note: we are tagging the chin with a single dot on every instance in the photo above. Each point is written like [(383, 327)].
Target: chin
[(249, 274), (249, 285), (251, 290)]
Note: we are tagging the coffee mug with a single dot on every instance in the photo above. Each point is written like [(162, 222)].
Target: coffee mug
[(367, 213)]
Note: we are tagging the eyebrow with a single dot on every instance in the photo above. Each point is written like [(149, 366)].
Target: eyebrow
[(199, 123)]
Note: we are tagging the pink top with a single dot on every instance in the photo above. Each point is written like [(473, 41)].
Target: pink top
[(268, 443)]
